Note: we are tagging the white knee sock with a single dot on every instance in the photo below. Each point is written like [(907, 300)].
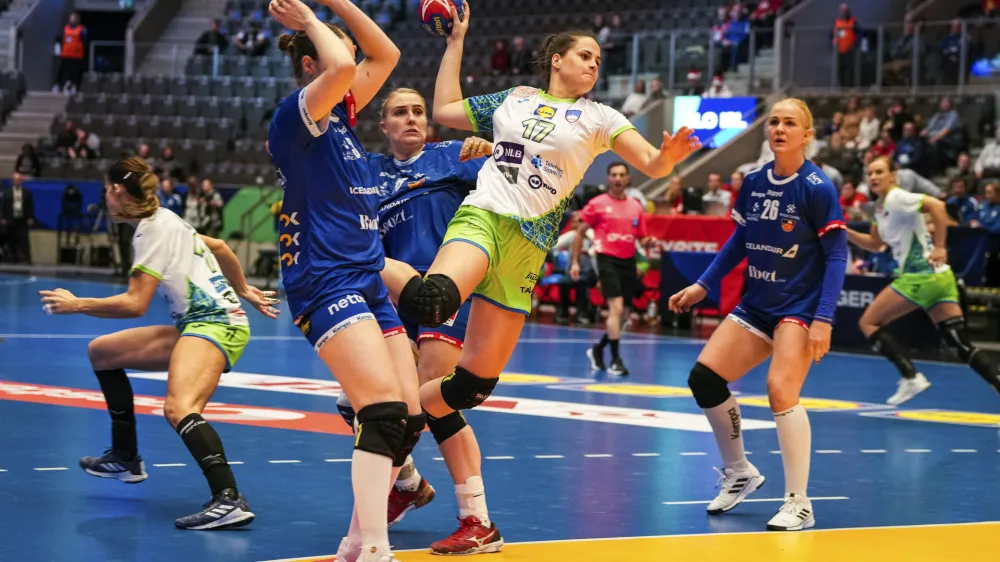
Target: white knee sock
[(371, 476), (409, 479), (726, 423), (472, 499), (795, 440)]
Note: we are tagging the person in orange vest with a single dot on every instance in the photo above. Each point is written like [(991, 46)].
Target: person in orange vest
[(72, 55), (845, 40)]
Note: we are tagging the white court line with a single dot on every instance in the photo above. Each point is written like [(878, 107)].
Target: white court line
[(337, 460), (775, 452), (693, 454), (12, 282), (918, 450), (964, 451), (828, 451), (51, 468), (234, 462), (172, 464), (599, 456), (761, 500), (549, 457), (502, 458), (873, 451), (285, 462), (439, 458), (3, 470), (645, 454)]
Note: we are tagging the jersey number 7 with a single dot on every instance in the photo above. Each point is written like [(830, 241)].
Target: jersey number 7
[(536, 129)]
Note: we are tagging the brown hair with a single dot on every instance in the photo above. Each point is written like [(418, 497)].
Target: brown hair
[(400, 92), (299, 45), (887, 161), (557, 44), (139, 181)]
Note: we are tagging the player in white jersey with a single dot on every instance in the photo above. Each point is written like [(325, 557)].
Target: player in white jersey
[(202, 281), (544, 141), (925, 280)]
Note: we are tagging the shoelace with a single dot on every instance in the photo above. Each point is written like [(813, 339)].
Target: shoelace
[(791, 505), (722, 478)]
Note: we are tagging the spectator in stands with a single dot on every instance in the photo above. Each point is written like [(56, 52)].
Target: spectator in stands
[(635, 100), (17, 216), (656, 92), (762, 21), (193, 206), (991, 8), (521, 57), (966, 172), (735, 184), (211, 40), (211, 210), (839, 156), (719, 29), (27, 163), (896, 118), (615, 49), (989, 209), (716, 201), (168, 166), (500, 59), (84, 147), (884, 145), (833, 126), (910, 151), (943, 134), (850, 130), (869, 128), (674, 196), (253, 41), (145, 154), (951, 54), (66, 138), (915, 183), (988, 164), (851, 200), (169, 198), (737, 41), (694, 87), (72, 56), (845, 41), (898, 69), (962, 206), (719, 89)]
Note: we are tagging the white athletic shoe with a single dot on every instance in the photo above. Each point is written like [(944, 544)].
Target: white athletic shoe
[(795, 515), (734, 487), (908, 388)]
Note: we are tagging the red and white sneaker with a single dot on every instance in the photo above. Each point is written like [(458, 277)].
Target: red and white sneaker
[(401, 502), (472, 537)]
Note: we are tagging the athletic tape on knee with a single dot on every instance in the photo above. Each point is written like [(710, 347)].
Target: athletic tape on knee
[(430, 301), (381, 428), (464, 390), (709, 389), (447, 427), (414, 425)]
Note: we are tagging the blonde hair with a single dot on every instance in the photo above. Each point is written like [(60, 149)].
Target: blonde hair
[(400, 92), (807, 120), (140, 183)]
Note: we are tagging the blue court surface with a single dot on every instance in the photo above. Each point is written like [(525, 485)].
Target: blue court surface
[(570, 455)]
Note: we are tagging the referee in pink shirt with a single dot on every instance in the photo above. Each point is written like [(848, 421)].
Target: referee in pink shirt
[(619, 222)]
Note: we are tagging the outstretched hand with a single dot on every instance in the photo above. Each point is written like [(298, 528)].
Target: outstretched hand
[(460, 25), (58, 301), (263, 301), (679, 146)]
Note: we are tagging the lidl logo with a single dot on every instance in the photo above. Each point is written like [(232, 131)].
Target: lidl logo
[(545, 111)]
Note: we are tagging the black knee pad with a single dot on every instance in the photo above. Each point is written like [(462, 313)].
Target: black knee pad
[(381, 428), (464, 390), (430, 301), (414, 425), (708, 387), (445, 428), (955, 334)]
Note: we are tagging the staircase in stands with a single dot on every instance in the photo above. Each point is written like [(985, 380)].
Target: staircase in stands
[(172, 50), (29, 122)]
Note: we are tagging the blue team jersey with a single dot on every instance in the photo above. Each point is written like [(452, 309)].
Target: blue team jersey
[(328, 226), (419, 198), (784, 220)]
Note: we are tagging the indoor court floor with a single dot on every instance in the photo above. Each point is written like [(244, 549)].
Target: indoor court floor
[(578, 466)]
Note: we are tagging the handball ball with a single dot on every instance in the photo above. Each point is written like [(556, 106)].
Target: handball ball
[(435, 15)]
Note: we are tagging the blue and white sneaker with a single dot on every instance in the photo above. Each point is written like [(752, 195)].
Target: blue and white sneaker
[(221, 512), (112, 466)]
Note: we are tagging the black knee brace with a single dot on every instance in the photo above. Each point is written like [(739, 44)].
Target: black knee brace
[(709, 388), (445, 428), (464, 390), (381, 428), (430, 301), (414, 425), (954, 333)]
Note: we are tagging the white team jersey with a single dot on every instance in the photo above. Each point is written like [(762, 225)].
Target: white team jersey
[(901, 225), (542, 146), (171, 250)]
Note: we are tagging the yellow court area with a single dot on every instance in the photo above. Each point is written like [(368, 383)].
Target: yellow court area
[(972, 542)]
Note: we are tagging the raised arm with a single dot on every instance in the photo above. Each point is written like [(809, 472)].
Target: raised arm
[(449, 108), (381, 54), (651, 161)]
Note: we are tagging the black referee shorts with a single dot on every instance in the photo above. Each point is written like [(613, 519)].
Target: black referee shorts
[(618, 277)]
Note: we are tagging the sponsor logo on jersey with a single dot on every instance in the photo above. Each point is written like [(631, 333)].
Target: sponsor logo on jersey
[(350, 151), (508, 152), (364, 191), (814, 179), (535, 182), (393, 222), (418, 183), (509, 173), (757, 194), (368, 223), (789, 253), (544, 165), (523, 92), (545, 111), (771, 193), (769, 276), (855, 299), (344, 303), (788, 225)]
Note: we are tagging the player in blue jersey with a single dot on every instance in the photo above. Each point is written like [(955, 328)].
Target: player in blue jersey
[(332, 256), (422, 186), (790, 228)]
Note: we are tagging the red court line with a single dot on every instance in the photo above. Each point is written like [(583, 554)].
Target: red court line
[(314, 422)]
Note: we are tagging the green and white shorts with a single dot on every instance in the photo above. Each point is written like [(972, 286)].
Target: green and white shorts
[(927, 290), (515, 263), (231, 340)]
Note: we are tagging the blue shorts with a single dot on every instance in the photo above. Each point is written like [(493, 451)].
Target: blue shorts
[(346, 306), (452, 331), (762, 324)]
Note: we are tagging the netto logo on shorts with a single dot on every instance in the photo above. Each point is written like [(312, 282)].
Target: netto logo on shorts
[(345, 302), (535, 182), (508, 152)]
